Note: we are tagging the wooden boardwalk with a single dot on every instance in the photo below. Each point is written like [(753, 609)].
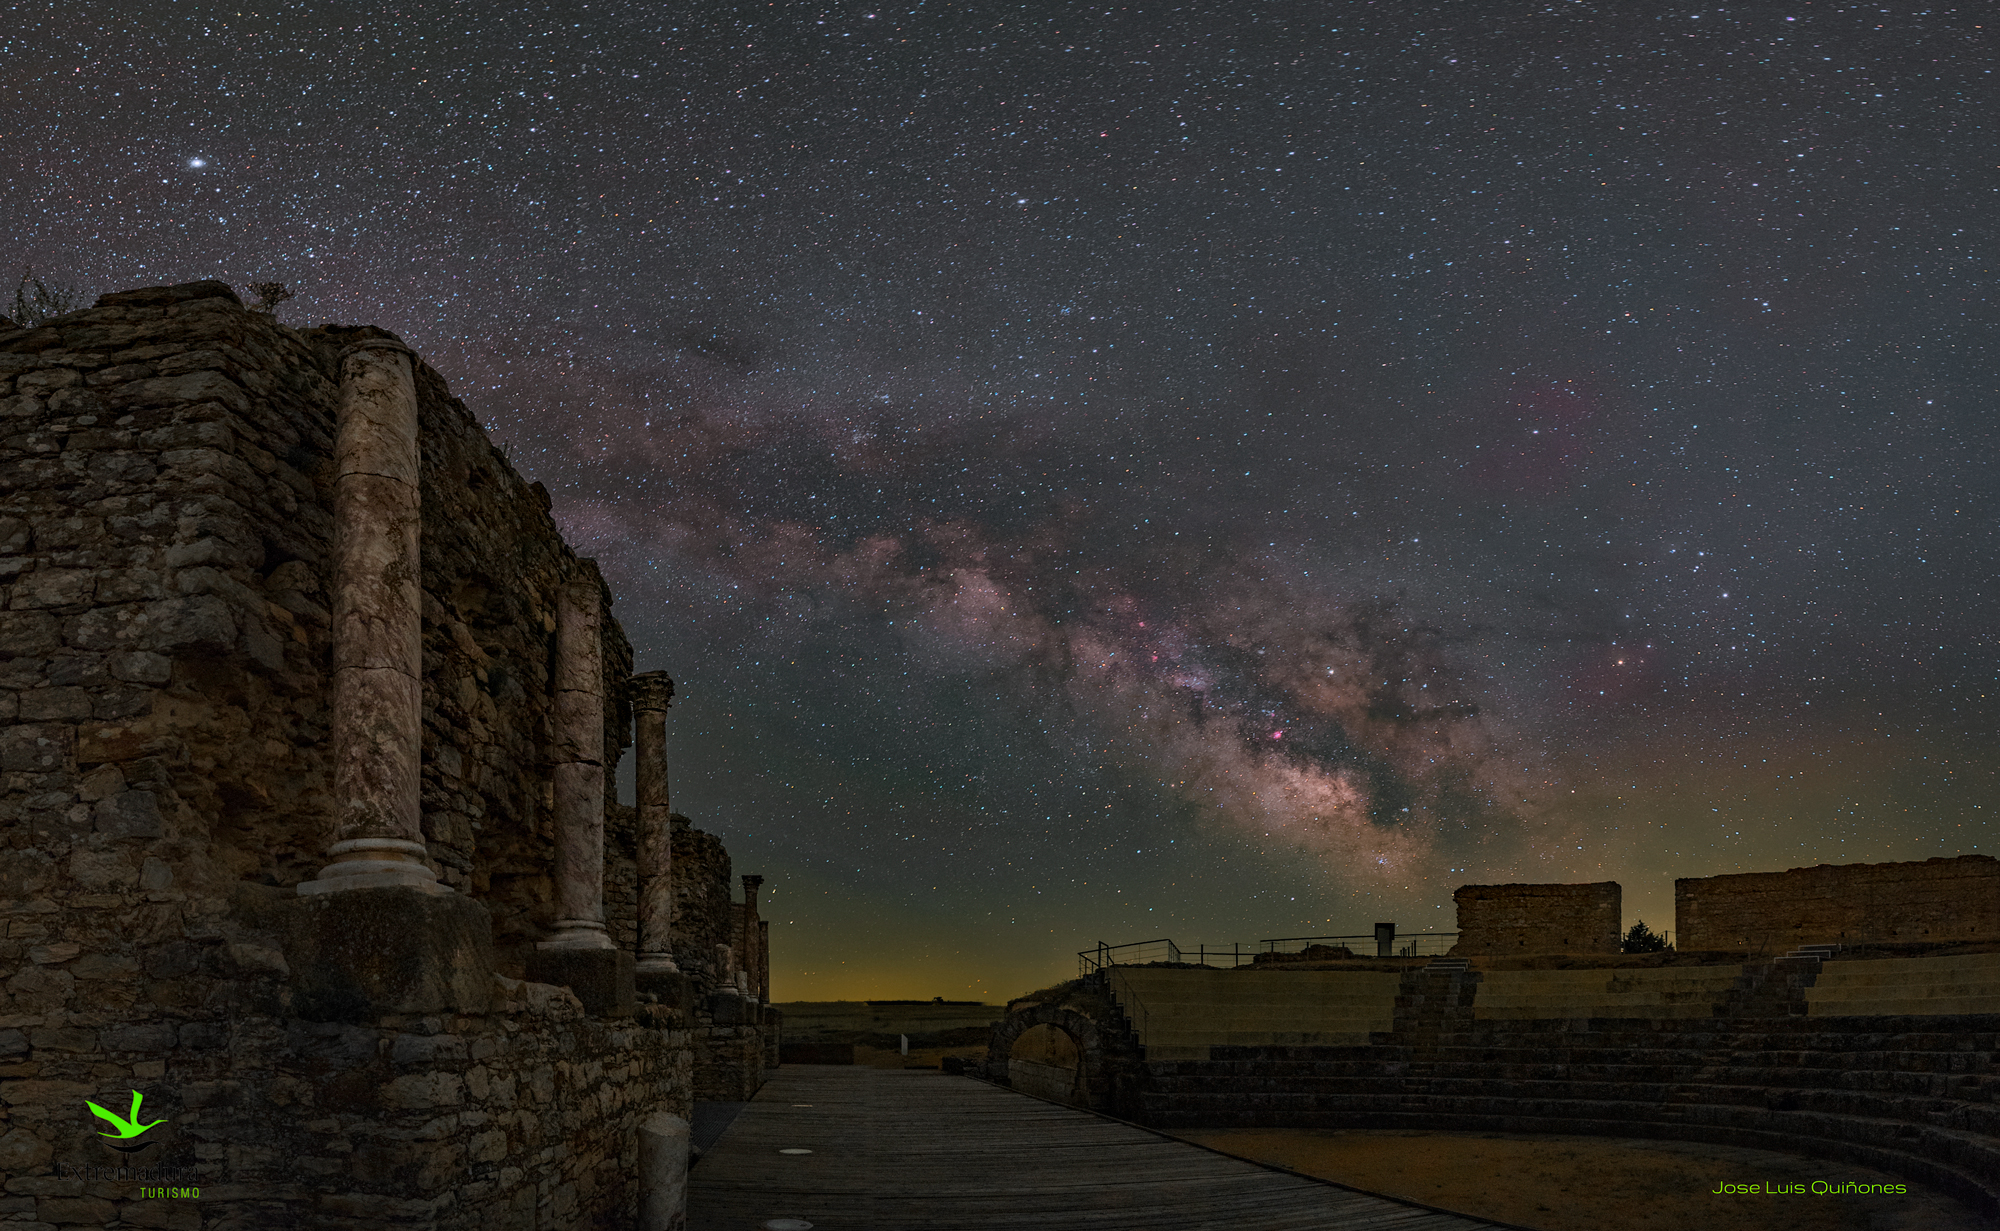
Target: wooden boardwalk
[(913, 1150)]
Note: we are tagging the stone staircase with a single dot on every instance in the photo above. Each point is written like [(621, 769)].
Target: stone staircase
[(1907, 987)]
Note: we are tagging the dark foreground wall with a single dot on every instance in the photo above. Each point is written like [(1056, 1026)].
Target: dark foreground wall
[(165, 496)]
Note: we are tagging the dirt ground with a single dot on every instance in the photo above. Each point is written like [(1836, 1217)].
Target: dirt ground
[(919, 1057), (1564, 1183)]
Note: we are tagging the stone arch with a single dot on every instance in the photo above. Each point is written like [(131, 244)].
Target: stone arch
[(1045, 1028), (1047, 1062)]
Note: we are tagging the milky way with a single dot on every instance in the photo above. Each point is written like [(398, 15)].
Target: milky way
[(1216, 471)]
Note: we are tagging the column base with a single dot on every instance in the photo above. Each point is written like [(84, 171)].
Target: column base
[(656, 964), (577, 934), (601, 978), (376, 951), (673, 989), (373, 874)]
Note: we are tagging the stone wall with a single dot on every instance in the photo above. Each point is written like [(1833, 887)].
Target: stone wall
[(1522, 919), (165, 496), (1955, 899), (704, 912)]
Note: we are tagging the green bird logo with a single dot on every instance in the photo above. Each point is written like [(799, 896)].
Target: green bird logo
[(128, 1125)]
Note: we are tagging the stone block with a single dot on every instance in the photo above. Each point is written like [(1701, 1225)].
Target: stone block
[(87, 1211), (24, 633), (196, 622), (22, 1151), (54, 704), (54, 587), (426, 1049), (675, 991), (158, 1037), (663, 1172), (141, 667), (129, 814), (38, 749), (360, 954), (729, 1009), (601, 978)]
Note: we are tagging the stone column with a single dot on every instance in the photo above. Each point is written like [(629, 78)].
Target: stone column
[(651, 693), (579, 765), (764, 960), (377, 701), (753, 960)]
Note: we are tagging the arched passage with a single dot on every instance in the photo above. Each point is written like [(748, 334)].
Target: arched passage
[(1047, 1062), (1083, 1081)]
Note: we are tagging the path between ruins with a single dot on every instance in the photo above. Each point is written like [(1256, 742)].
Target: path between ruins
[(915, 1150)]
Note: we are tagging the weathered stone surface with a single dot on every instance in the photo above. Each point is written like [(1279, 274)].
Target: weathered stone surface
[(187, 387), (199, 622), (27, 632), (129, 814), (45, 704), (53, 587), (365, 953), (178, 559), (601, 978), (1531, 919), (1937, 899), (159, 296)]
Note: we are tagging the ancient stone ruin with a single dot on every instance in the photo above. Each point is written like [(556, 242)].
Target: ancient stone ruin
[(1539, 918), (1938, 900), (309, 721), (1848, 1012)]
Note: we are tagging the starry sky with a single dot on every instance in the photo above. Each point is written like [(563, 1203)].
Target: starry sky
[(1214, 471)]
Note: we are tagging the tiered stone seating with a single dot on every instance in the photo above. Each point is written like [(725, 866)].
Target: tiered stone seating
[(1670, 992), (1731, 1056), (1182, 1014), (1912, 986)]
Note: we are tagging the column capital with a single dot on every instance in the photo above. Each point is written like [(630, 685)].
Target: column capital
[(650, 691)]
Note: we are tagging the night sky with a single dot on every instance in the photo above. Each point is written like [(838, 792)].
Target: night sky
[(1224, 471)]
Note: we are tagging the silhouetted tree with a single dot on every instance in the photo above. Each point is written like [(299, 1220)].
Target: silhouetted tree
[(269, 296), (35, 301), (1642, 939)]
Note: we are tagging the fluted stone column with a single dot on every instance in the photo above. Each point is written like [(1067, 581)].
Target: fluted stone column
[(651, 693), (377, 701), (753, 960), (579, 765)]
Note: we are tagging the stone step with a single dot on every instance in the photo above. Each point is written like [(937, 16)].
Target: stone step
[(1255, 1038), (1876, 1003)]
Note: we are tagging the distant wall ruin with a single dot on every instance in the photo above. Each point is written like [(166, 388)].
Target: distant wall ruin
[(1955, 899), (1537, 919)]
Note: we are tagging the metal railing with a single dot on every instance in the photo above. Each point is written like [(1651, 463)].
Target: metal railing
[(1146, 952), (1402, 944)]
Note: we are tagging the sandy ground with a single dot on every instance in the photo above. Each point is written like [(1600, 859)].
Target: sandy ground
[(1563, 1183)]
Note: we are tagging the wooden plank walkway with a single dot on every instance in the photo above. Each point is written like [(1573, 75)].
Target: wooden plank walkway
[(913, 1150)]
